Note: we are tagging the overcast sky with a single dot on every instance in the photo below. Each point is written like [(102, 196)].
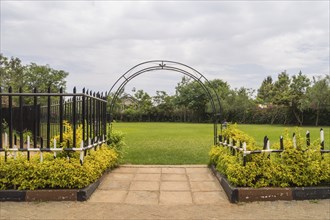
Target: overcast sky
[(240, 42)]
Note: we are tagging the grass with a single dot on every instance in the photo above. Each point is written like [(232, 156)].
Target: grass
[(185, 143)]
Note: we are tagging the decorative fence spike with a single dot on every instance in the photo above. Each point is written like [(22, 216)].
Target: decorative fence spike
[(265, 142), (82, 152), (28, 147), (268, 144), (322, 138), (54, 148), (41, 157), (244, 153), (15, 146), (308, 138)]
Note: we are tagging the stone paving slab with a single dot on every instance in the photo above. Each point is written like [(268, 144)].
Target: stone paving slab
[(160, 185)]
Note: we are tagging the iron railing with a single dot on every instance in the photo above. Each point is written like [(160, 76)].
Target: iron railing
[(86, 109), (240, 147)]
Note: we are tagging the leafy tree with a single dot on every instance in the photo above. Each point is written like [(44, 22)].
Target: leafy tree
[(298, 89), (164, 105), (190, 95), (14, 74), (318, 97), (265, 92), (144, 103)]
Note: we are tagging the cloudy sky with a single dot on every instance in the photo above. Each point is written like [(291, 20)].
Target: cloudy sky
[(240, 42)]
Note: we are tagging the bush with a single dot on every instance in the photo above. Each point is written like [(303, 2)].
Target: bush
[(116, 140), (295, 166), (56, 173)]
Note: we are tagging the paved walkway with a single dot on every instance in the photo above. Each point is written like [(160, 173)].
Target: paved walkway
[(163, 192), (160, 185)]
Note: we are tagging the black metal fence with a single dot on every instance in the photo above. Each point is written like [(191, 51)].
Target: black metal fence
[(237, 146), (30, 127)]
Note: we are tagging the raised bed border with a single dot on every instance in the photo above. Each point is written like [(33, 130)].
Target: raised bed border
[(247, 194), (52, 194)]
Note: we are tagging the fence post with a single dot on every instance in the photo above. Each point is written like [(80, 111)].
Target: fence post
[(105, 115), (35, 119), (82, 152), (1, 119), (91, 115), (28, 147), (54, 148), (322, 138), (281, 143), (265, 142), (294, 140), (48, 119), (21, 119), (10, 123), (268, 144), (15, 146), (244, 153), (83, 114), (74, 117), (308, 138), (6, 144), (61, 116)]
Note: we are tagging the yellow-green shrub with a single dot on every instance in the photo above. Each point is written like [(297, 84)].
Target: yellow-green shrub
[(55, 173), (295, 166)]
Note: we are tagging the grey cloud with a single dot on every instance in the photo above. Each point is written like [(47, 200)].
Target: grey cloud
[(235, 41)]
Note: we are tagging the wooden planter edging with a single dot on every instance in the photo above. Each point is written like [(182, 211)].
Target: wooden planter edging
[(51, 194), (247, 194)]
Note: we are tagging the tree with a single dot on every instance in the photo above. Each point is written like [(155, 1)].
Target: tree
[(164, 106), (318, 96), (144, 103), (190, 95), (298, 89), (14, 74), (265, 92)]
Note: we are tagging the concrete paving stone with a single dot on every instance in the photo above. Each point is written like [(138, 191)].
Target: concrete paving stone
[(114, 185), (144, 185), (121, 176), (149, 170), (209, 197), (205, 186), (142, 197), (197, 170), (147, 177), (175, 198), (108, 196), (174, 177), (125, 170), (175, 186), (201, 177), (173, 170)]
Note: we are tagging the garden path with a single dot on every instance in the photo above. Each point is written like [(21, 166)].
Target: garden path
[(163, 192)]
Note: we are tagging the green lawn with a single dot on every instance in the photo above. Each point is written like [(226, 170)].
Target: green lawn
[(185, 143)]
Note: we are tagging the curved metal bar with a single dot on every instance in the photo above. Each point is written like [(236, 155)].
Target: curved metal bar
[(162, 65), (165, 63), (114, 99)]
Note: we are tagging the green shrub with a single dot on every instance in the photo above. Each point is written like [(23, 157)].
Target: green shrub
[(116, 140), (295, 166), (55, 173)]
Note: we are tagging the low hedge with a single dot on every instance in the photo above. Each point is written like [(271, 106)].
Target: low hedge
[(61, 172), (295, 166)]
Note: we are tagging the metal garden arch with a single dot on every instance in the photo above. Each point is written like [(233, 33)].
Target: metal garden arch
[(154, 65)]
